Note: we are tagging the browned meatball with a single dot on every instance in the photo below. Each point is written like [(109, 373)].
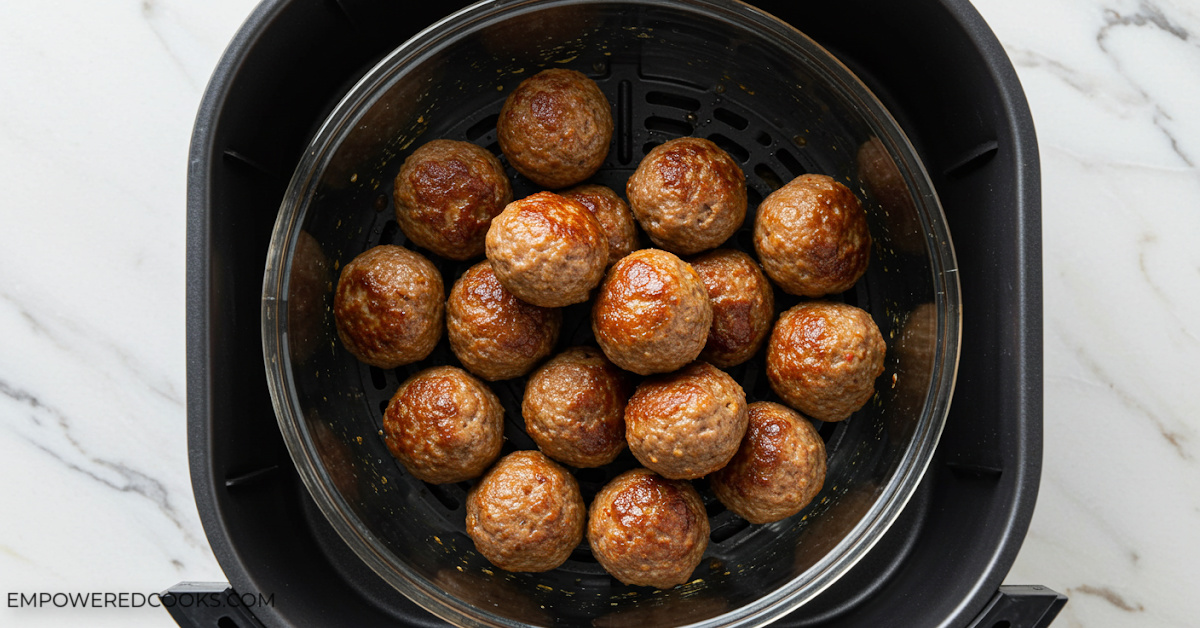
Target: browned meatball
[(555, 128), (614, 216), (652, 314), (447, 193), (526, 514), (688, 194), (778, 469), (548, 250), (743, 306), (811, 236), (494, 334), (648, 531), (686, 424), (444, 425), (574, 408), (389, 307), (823, 359)]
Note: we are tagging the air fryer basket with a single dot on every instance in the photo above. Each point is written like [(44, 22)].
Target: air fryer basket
[(940, 71), (781, 107)]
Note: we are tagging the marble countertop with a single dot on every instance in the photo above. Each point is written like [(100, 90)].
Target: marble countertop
[(98, 100)]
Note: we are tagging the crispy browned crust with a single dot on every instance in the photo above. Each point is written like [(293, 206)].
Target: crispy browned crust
[(743, 306), (548, 250), (778, 469), (555, 128), (823, 358), (811, 236), (444, 425), (574, 408), (652, 313), (388, 306), (688, 195), (526, 514), (686, 424), (648, 531), (493, 333), (447, 193), (614, 216)]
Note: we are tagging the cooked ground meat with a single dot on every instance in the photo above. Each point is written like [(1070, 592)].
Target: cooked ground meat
[(811, 236), (686, 424), (493, 333), (614, 217), (388, 306), (823, 358), (444, 425), (743, 306), (652, 314), (688, 194)]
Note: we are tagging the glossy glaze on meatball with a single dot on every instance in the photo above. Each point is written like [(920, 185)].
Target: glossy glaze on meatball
[(647, 530), (778, 469), (444, 425), (548, 250), (743, 306), (688, 195), (811, 236), (686, 424), (823, 358), (526, 514), (574, 408), (447, 193), (614, 216), (652, 314), (493, 333), (555, 128), (388, 306)]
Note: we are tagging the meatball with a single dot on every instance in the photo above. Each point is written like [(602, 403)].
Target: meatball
[(574, 408), (652, 314), (648, 531), (614, 217), (494, 334), (388, 307), (688, 194), (686, 424), (778, 469), (811, 236), (447, 193), (743, 305), (444, 425), (555, 128), (823, 358), (526, 514), (548, 250)]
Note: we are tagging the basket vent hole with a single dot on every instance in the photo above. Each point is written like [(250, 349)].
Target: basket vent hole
[(789, 162), (389, 233), (763, 138), (1003, 623), (378, 379), (668, 126), (444, 497), (732, 119), (727, 530), (733, 148), (753, 197), (226, 622), (668, 99), (768, 176), (482, 128), (383, 404), (649, 146)]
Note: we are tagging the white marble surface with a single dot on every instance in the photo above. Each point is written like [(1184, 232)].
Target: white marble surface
[(97, 101)]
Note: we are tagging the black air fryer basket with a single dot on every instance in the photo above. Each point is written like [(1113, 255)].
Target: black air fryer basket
[(941, 75)]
